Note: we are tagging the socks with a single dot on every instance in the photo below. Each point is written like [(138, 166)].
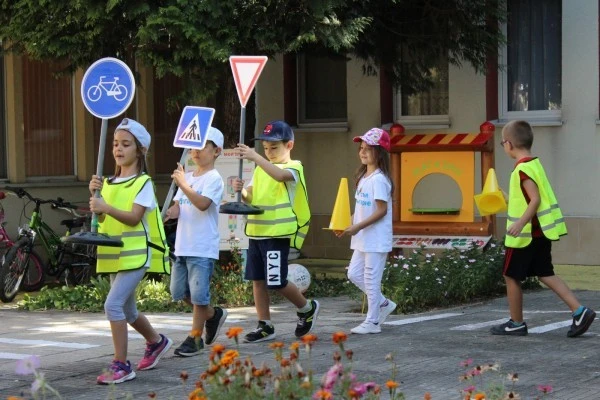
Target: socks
[(267, 321), (578, 311), (306, 308)]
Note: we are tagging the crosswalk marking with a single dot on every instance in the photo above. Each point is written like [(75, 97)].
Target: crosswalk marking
[(473, 327), (550, 327), (80, 331), (14, 356), (68, 345), (421, 319)]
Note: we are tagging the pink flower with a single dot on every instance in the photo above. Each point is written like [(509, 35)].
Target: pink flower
[(362, 388), (469, 389), (27, 366), (545, 389), (332, 376), (466, 362)]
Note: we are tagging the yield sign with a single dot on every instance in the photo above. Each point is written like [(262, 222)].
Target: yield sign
[(246, 70), (193, 127)]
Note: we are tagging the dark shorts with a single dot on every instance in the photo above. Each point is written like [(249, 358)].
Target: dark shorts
[(268, 261), (533, 260)]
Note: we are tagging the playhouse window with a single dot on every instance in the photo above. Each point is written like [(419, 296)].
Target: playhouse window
[(530, 80), (427, 109)]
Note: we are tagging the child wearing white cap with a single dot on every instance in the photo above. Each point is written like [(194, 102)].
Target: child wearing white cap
[(197, 244), (127, 209)]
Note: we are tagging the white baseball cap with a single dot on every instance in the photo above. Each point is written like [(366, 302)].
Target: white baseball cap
[(215, 136), (137, 130)]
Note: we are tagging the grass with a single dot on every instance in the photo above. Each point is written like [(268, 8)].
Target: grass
[(579, 277)]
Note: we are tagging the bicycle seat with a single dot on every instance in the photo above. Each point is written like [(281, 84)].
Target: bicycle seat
[(73, 222)]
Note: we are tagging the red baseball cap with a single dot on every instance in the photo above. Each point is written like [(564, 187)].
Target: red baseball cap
[(375, 137)]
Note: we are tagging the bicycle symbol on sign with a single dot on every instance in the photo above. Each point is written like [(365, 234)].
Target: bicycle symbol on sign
[(119, 92)]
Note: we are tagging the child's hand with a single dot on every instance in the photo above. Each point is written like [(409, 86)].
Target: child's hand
[(179, 175), (515, 228), (172, 213), (246, 152), (237, 184), (95, 184), (98, 205), (349, 231)]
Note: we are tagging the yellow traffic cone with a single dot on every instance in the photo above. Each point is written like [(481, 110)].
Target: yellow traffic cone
[(340, 219), (491, 200)]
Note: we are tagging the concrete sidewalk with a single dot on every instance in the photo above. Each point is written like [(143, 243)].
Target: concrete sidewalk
[(428, 349)]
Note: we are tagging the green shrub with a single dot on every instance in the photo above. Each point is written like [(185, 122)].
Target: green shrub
[(424, 280)]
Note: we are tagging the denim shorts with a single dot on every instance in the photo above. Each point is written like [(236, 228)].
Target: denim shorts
[(190, 279)]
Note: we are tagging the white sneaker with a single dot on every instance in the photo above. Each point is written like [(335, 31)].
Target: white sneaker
[(384, 311), (366, 327)]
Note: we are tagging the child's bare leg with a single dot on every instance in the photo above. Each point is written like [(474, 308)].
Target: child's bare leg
[(143, 326), (514, 294), (559, 287), (119, 336), (199, 316), (261, 300), (292, 293)]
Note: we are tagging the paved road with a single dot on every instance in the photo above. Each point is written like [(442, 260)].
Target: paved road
[(428, 347)]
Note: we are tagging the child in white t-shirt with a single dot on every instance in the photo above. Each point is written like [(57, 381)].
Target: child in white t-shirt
[(371, 228), (197, 242)]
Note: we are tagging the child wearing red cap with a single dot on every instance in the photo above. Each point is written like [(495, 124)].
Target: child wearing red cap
[(371, 228)]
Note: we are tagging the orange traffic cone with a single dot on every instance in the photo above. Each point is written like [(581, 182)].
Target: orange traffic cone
[(340, 219), (491, 200)]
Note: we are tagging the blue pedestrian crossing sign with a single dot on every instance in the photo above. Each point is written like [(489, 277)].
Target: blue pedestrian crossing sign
[(107, 88), (193, 127)]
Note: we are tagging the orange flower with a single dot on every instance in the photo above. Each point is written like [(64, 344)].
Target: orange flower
[(218, 348), (339, 337), (276, 345), (184, 375), (295, 346), (231, 354), (234, 332), (151, 395), (285, 362), (427, 396), (213, 369), (309, 339), (323, 395), (480, 396), (197, 394), (391, 385), (196, 333)]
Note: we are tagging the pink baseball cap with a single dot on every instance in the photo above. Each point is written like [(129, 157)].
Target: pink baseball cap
[(375, 137)]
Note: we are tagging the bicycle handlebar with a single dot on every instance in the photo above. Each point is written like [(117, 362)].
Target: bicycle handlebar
[(54, 204)]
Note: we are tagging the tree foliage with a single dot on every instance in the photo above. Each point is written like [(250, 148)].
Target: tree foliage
[(194, 38)]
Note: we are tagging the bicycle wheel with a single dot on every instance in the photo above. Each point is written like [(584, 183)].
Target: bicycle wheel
[(35, 277), (13, 270), (94, 93)]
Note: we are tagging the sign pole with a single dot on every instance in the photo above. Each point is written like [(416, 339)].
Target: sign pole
[(242, 139), (99, 167), (171, 192)]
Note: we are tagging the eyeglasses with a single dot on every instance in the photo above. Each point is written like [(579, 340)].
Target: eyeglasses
[(503, 142)]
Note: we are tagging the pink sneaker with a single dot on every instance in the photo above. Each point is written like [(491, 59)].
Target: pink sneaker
[(153, 353), (118, 372)]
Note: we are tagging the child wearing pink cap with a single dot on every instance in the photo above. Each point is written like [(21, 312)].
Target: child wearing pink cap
[(371, 228)]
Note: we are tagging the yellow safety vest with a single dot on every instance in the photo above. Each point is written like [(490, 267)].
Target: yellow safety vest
[(549, 214), (281, 218), (134, 253)]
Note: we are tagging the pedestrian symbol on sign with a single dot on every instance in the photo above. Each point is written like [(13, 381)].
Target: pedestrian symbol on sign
[(189, 132)]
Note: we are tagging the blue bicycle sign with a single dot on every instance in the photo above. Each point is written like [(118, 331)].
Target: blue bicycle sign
[(112, 88), (108, 88)]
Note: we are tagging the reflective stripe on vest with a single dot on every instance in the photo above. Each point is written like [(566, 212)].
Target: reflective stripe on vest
[(280, 217), (134, 253), (549, 214)]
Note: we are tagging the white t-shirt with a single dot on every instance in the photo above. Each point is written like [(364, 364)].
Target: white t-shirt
[(145, 198), (377, 237), (198, 231)]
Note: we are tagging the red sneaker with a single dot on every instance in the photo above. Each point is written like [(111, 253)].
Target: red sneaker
[(153, 353), (118, 372)]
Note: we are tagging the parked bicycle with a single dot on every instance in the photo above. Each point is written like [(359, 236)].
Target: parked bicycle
[(75, 263), (33, 279)]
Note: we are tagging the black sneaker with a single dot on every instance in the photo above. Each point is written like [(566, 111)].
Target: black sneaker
[(213, 325), (509, 328), (189, 347), (306, 321), (261, 333), (582, 322)]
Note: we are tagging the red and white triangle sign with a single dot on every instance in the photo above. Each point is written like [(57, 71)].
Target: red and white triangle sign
[(246, 70)]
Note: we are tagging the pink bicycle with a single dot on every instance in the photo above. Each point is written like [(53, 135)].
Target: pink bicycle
[(32, 278)]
